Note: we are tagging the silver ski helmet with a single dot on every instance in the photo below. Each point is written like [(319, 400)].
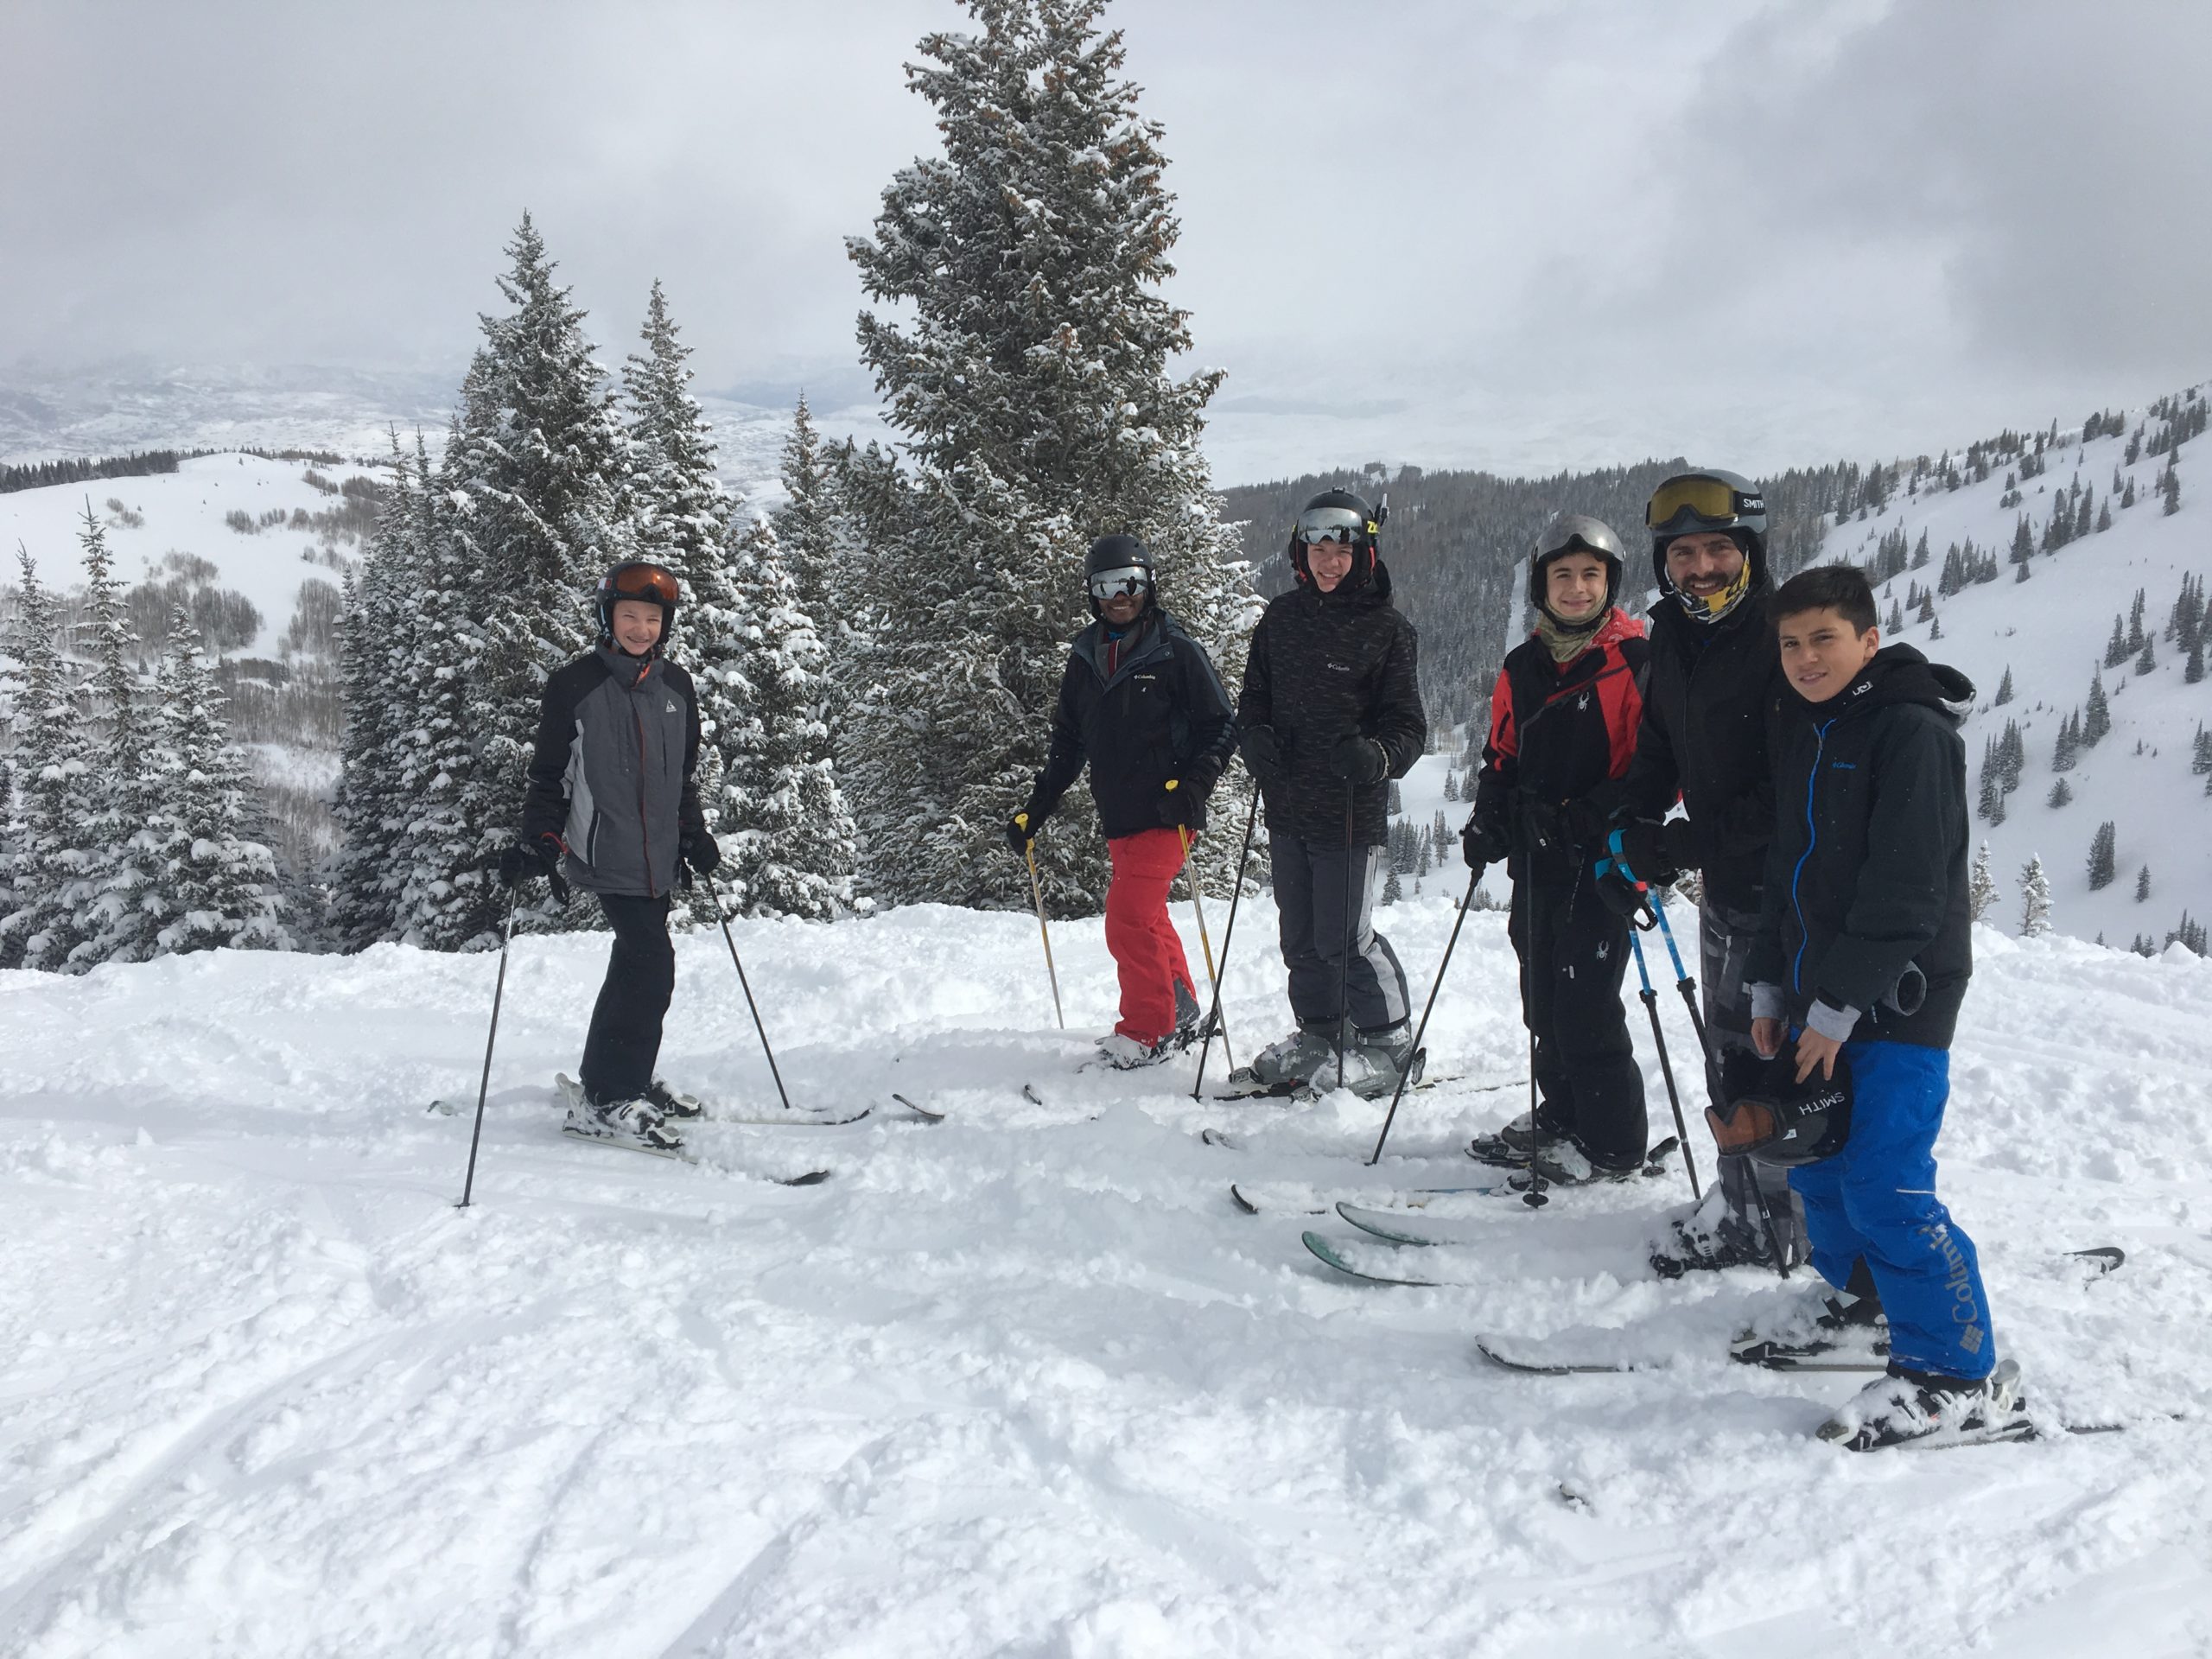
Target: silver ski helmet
[(1709, 500), (1114, 562), (1576, 532), (1338, 516), (640, 579)]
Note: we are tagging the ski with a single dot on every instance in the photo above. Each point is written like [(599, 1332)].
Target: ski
[(1563, 1368), (1256, 1202), (1029, 1093), (1300, 1095), (922, 1112), (681, 1154), (570, 1093), (1327, 1252), (1399, 1229)]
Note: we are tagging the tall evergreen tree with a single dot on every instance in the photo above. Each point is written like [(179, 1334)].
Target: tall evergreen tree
[(214, 885), (2101, 856), (677, 499), (807, 529), (2096, 719), (1981, 887), (44, 845), (108, 894), (2143, 884), (2035, 900), (2005, 688), (1032, 380)]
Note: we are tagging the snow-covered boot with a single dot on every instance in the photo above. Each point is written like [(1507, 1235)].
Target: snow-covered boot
[(1838, 1326), (1294, 1058), (1126, 1053), (1909, 1408), (632, 1123), (1564, 1164), (1708, 1238), (672, 1102), (1512, 1146), (1374, 1061), (1188, 1013)]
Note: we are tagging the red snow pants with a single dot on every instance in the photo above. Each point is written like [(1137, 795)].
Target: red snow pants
[(1146, 953)]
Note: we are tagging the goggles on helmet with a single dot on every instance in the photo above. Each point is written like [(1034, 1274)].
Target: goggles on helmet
[(645, 581), (1319, 524), (1695, 500), (1766, 1114), (1128, 581)]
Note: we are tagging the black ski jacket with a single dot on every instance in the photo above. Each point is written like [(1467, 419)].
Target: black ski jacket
[(1866, 905), (1703, 737), (1162, 713), (613, 770), (1324, 667)]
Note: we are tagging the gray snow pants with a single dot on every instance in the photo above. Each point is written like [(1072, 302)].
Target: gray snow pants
[(1311, 883), (1723, 947)]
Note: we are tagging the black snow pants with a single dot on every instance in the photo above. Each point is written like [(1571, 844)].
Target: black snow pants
[(624, 1041), (1574, 951), (1310, 893)]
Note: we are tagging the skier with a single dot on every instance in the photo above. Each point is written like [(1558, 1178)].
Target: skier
[(1862, 956), (1329, 711), (613, 806), (1140, 702), (1714, 676), (1563, 719)]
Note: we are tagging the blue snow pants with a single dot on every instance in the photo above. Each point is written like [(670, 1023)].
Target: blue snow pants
[(1876, 1198)]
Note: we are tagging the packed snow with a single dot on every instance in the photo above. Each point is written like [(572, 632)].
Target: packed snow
[(1026, 1381)]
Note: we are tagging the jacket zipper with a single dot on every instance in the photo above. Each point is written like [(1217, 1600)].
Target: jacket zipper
[(1796, 875), (644, 833)]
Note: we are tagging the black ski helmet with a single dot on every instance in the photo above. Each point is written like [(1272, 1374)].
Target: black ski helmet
[(643, 580), (1576, 532), (1110, 554), (1339, 515), (1709, 499), (1769, 1115)]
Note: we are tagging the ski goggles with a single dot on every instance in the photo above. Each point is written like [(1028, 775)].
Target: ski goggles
[(646, 582), (1128, 583), (1318, 525), (1705, 501)]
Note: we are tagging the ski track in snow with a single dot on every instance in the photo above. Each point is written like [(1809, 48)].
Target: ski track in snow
[(1026, 1382)]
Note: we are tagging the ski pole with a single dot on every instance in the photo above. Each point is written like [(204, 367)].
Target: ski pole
[(1037, 891), (730, 939), (1421, 1030), (1666, 1067), (1204, 945), (1228, 935), (483, 1083)]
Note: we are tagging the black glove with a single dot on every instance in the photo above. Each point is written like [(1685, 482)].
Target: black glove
[(700, 851), (1362, 760), (1263, 753), (1656, 851), (525, 860), (1624, 898), (1584, 826), (1021, 829), (1180, 804), (1483, 844)]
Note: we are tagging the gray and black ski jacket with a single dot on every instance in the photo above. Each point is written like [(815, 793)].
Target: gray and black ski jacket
[(613, 770)]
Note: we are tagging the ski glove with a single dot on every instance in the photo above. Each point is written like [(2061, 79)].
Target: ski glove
[(1659, 853), (1263, 753), (699, 849), (1584, 826), (525, 860), (1360, 759), (1180, 804), (1021, 829), (1483, 844), (1624, 898)]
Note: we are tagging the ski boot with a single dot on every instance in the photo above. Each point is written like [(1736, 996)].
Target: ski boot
[(632, 1123), (1512, 1146), (1910, 1408), (671, 1102), (1838, 1326), (1126, 1053), (1188, 1016), (1374, 1061), (1562, 1163), (1709, 1239), (1290, 1063)]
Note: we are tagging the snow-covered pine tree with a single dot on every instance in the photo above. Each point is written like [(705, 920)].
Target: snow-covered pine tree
[(2101, 856), (678, 501), (1392, 891), (807, 529), (44, 846), (536, 495), (107, 896), (2061, 794), (2035, 900), (783, 824), (2005, 688), (2142, 884), (1982, 885), (214, 886), (2096, 719), (1032, 380)]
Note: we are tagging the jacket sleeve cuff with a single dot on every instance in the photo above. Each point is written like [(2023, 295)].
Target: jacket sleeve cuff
[(1767, 1003), (1833, 1023)]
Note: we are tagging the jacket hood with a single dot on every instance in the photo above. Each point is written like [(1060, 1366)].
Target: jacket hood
[(1899, 674)]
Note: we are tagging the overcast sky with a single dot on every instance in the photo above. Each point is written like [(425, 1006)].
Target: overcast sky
[(1517, 235)]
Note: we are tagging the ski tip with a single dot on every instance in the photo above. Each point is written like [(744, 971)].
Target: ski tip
[(812, 1178), (1237, 1197), (1029, 1093), (2103, 1258), (1214, 1137), (442, 1109), (922, 1112)]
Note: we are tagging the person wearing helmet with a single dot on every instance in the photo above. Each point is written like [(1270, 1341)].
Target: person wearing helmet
[(1715, 677), (613, 807), (1330, 712), (1563, 720), (1141, 703)]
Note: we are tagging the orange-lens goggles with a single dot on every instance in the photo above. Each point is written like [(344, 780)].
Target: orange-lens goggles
[(1705, 497), (644, 581), (1746, 1124)]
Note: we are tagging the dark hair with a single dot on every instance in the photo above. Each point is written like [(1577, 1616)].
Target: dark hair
[(1842, 588)]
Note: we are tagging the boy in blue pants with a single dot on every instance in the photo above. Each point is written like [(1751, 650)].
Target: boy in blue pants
[(1864, 951)]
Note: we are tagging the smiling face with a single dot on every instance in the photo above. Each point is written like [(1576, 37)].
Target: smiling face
[(1703, 563), (1328, 563), (1822, 651), (1574, 586), (1121, 609), (637, 625)]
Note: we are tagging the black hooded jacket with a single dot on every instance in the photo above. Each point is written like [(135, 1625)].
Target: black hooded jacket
[(1704, 736), (1161, 714), (1325, 667), (1866, 903)]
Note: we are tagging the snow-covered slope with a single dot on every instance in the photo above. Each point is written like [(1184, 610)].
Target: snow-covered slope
[(1026, 1382)]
